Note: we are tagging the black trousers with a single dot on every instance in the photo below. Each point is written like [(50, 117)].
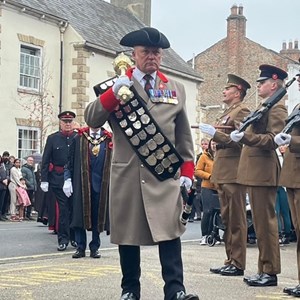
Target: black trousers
[(171, 263), (64, 234)]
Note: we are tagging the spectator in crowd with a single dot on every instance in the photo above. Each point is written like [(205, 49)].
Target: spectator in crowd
[(3, 187), (197, 203), (7, 166), (15, 176), (203, 170), (259, 171), (31, 184)]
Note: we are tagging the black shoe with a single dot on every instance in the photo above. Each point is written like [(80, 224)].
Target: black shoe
[(232, 270), (288, 290), (263, 280), (252, 241), (73, 244), (2, 218), (191, 220), (30, 218), (78, 254), (62, 247), (247, 278), (295, 292), (128, 296), (218, 270), (95, 254), (183, 296)]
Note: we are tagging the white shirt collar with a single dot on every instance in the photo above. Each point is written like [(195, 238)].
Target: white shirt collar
[(139, 76)]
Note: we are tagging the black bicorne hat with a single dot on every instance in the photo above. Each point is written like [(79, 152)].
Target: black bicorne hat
[(147, 36)]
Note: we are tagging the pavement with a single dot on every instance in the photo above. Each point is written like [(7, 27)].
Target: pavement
[(57, 276)]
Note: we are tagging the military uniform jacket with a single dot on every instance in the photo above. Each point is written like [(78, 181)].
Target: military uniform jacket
[(290, 175), (55, 154), (144, 210), (228, 155), (259, 164)]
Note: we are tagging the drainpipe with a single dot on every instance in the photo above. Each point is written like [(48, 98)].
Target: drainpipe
[(62, 28)]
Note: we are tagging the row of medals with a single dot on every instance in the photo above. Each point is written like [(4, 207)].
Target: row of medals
[(155, 148)]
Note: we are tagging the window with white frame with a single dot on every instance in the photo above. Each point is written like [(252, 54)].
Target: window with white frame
[(28, 141), (30, 60)]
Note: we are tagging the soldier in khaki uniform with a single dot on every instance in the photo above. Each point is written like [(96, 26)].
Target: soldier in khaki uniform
[(259, 170), (145, 208), (231, 194), (290, 178)]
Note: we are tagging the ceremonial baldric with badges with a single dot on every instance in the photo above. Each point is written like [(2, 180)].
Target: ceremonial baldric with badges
[(143, 133)]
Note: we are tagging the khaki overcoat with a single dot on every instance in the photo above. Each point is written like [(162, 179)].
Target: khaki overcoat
[(144, 210)]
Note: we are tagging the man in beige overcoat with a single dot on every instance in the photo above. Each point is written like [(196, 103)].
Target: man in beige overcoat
[(231, 194), (145, 201), (290, 178), (259, 170)]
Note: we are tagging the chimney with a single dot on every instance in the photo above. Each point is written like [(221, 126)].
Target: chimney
[(236, 22), (139, 8), (284, 45), (236, 33), (292, 51)]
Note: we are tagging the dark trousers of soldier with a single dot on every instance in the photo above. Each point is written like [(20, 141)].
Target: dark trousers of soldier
[(233, 212), (171, 263), (262, 201), (294, 202), (64, 204)]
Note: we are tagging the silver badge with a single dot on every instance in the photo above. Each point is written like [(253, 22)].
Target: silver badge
[(159, 154), (135, 103), (141, 111), (166, 148), (171, 169), (137, 125), (123, 123), (159, 139), (151, 160), (143, 150), (129, 132), (166, 163), (159, 169), (173, 158), (132, 117), (145, 119), (151, 129), (135, 140), (151, 145), (142, 135)]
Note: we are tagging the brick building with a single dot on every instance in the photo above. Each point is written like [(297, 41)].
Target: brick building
[(239, 55)]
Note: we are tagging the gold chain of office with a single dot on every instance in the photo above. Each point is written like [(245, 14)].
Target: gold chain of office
[(95, 142)]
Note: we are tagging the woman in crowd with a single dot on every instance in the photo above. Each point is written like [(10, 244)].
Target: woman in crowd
[(208, 190), (15, 176)]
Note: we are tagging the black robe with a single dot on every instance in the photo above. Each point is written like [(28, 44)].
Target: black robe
[(81, 181)]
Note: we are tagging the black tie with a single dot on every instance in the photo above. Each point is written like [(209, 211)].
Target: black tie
[(148, 85)]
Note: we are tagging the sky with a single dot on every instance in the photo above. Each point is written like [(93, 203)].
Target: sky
[(192, 26)]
